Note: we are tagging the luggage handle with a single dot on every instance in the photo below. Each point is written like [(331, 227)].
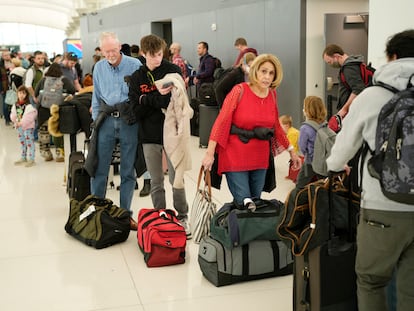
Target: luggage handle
[(207, 183)]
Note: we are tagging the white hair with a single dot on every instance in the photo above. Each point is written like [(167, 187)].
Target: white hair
[(108, 35)]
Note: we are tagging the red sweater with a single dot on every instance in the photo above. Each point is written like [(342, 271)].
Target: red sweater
[(246, 112)]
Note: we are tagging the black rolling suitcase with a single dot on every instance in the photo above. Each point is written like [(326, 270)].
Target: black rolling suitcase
[(78, 184), (325, 280), (208, 115), (195, 120), (324, 277)]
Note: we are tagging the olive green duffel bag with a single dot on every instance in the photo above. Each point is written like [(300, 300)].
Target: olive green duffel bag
[(97, 222)]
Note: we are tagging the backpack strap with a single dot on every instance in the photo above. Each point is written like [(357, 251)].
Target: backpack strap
[(393, 89), (409, 84), (313, 124), (387, 86)]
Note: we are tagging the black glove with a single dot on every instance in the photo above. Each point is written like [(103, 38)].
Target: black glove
[(244, 135), (263, 133)]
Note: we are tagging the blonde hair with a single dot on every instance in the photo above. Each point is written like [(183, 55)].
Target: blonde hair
[(176, 45), (259, 61), (16, 62), (314, 109), (285, 119)]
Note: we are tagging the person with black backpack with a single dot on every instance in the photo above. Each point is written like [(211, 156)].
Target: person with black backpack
[(385, 233), (232, 76), (205, 71)]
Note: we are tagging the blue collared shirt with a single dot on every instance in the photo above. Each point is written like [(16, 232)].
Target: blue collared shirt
[(109, 82)]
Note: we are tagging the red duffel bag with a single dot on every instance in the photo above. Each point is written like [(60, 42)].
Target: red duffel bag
[(161, 237)]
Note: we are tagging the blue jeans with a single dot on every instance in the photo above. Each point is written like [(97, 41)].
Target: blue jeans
[(247, 184), (6, 109), (111, 130)]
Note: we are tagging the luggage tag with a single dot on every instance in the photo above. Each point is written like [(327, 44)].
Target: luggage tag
[(91, 209)]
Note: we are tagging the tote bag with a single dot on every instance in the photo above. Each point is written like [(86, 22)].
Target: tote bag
[(11, 97), (203, 208)]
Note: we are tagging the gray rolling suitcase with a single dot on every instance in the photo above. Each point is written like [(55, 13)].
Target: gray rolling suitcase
[(208, 115), (256, 260)]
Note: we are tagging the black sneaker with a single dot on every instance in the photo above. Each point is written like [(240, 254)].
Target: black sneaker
[(146, 190)]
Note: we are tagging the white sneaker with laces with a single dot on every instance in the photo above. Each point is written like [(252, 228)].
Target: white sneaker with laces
[(249, 204), (186, 225)]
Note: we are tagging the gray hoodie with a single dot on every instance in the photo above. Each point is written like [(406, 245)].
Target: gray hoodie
[(360, 125), (352, 74)]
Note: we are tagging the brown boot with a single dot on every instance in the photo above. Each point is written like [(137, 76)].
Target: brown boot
[(133, 224)]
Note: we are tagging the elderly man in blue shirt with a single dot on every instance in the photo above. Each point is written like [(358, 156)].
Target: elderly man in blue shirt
[(117, 122)]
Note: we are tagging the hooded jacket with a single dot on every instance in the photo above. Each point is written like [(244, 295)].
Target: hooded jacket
[(147, 102), (360, 125), (352, 73)]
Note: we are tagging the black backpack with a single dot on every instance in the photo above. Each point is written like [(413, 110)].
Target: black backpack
[(207, 95), (217, 63), (220, 73), (392, 161)]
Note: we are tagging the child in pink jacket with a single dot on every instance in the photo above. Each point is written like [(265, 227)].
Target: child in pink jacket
[(23, 115)]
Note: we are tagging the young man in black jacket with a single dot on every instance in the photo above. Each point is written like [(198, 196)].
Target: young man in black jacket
[(148, 101)]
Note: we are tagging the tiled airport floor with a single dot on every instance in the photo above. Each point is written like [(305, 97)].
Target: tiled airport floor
[(44, 269)]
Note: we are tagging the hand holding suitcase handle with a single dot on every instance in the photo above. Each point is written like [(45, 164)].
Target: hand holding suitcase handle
[(207, 183)]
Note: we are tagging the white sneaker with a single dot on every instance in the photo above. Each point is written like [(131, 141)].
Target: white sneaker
[(22, 161), (30, 163), (186, 225), (249, 204)]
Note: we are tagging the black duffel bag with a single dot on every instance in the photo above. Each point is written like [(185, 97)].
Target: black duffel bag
[(97, 222), (314, 214)]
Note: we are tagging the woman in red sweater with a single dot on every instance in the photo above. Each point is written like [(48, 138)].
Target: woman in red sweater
[(248, 119)]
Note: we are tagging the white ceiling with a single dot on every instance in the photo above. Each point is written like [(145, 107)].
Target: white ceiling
[(59, 14)]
